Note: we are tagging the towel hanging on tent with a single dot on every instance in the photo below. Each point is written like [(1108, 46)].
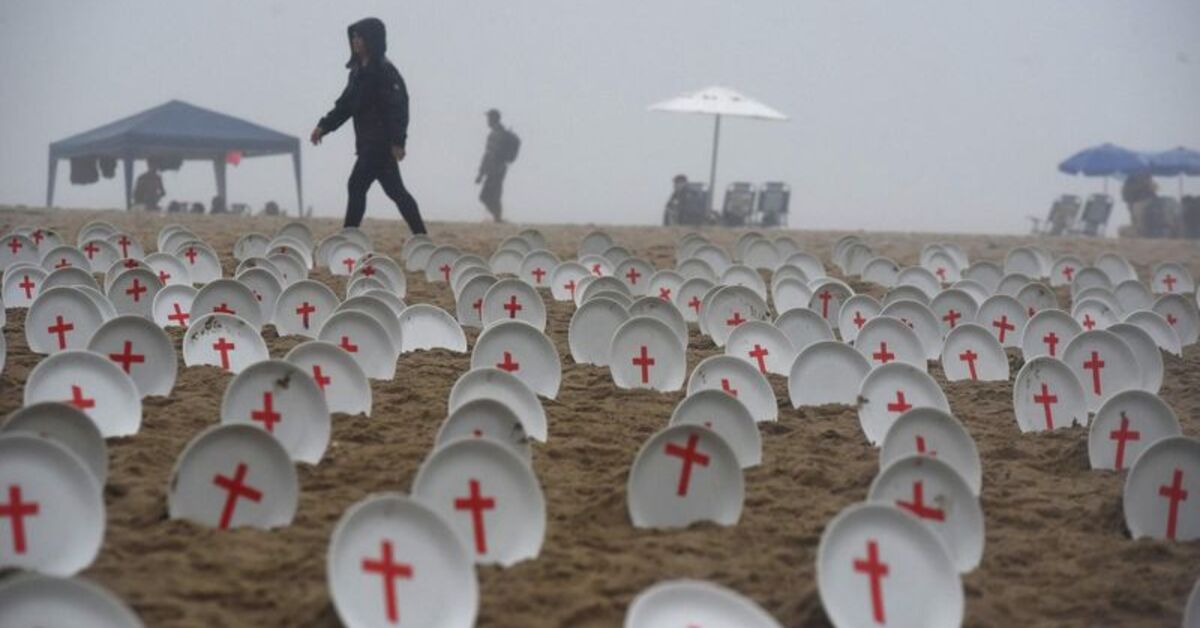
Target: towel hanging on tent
[(84, 170)]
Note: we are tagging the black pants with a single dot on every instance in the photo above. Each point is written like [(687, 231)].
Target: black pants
[(380, 166), (493, 188)]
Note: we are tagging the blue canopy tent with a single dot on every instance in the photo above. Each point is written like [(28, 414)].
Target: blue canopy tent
[(176, 130)]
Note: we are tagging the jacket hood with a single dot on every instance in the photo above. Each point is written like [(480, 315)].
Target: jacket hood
[(373, 33)]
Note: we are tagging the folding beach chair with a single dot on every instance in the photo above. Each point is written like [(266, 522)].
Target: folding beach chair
[(739, 204), (1095, 216), (773, 200), (1061, 218)]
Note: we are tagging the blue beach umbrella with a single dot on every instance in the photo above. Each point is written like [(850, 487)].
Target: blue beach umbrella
[(1105, 160), (1177, 162)]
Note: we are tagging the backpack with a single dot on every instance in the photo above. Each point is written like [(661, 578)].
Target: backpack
[(510, 147)]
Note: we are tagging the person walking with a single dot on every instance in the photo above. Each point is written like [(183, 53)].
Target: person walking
[(377, 99), (500, 150)]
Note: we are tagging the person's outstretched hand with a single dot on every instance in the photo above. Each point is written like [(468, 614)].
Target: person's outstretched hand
[(315, 138), (398, 152)]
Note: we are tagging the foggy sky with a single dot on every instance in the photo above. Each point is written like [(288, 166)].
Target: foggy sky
[(915, 115)]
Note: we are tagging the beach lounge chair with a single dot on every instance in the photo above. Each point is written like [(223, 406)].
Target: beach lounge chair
[(1060, 219), (773, 200), (739, 204), (694, 208), (1095, 216)]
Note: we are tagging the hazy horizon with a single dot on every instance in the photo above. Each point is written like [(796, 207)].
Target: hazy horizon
[(926, 116)]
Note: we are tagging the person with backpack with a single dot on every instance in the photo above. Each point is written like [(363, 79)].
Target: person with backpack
[(501, 150), (377, 99)]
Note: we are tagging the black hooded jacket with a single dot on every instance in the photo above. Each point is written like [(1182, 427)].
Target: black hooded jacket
[(375, 95)]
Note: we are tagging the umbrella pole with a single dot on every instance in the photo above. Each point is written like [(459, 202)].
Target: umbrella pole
[(712, 172)]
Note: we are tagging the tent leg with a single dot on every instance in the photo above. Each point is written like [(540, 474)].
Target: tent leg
[(219, 173), (712, 171), (50, 179), (299, 188), (128, 167)]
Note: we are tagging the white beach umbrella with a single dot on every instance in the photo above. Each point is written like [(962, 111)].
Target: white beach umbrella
[(718, 101)]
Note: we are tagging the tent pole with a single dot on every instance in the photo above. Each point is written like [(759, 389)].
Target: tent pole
[(50, 180), (128, 164), (219, 173), (712, 171), (299, 189)]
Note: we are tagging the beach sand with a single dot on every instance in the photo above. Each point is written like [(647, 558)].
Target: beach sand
[(1056, 553)]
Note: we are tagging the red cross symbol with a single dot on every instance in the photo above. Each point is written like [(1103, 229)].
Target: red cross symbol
[(570, 286), (695, 304), (508, 364), (27, 285), (62, 263), (883, 355), (237, 488), (632, 275), (513, 307), (224, 308), (917, 505), (347, 345), (1051, 340), (825, 296), (136, 290), (61, 328), (124, 242), (538, 273), (858, 320), (1122, 435), (876, 571), (759, 353), (91, 249), (78, 400), (37, 236), (690, 456), (130, 263), (478, 305), (1004, 326), (224, 346), (1068, 272), (645, 361), (179, 316), (445, 268), (727, 388), (969, 357), (1046, 399), (899, 405), (476, 503), (349, 264), (15, 244), (368, 270), (941, 273), (390, 570), (921, 447), (1095, 365), (191, 255), (18, 510), (1088, 322), (268, 416), (664, 294), (1169, 281), (321, 380), (127, 358), (736, 320), (1176, 494), (596, 269), (163, 276), (952, 317), (1031, 311), (304, 310), (1171, 319)]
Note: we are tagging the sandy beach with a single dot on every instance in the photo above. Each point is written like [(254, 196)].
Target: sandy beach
[(1057, 551)]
